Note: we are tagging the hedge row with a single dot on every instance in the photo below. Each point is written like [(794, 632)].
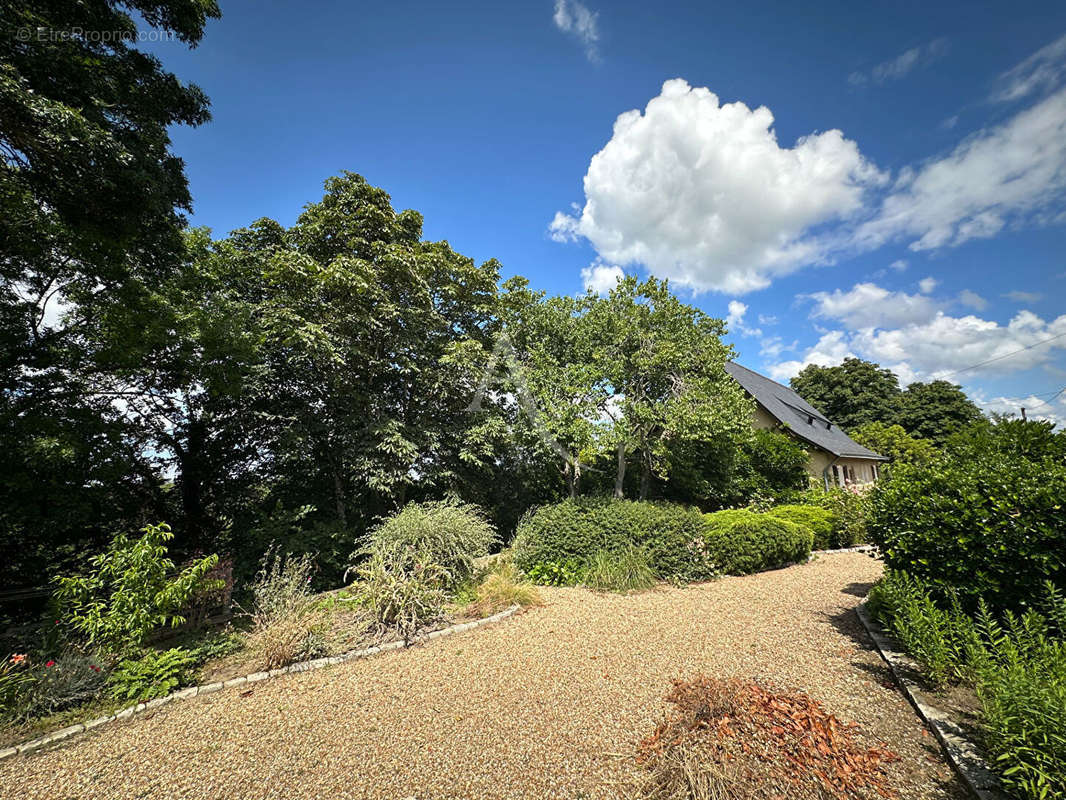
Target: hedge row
[(681, 543)]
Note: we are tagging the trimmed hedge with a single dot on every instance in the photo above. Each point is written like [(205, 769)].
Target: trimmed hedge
[(681, 543), (743, 541), (575, 530), (822, 523)]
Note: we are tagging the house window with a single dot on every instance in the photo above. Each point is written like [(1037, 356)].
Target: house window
[(836, 476)]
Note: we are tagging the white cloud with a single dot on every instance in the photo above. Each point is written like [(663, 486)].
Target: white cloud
[(575, 18), (1023, 297), (901, 65), (767, 319), (1043, 70), (944, 346), (601, 278), (774, 346), (926, 285), (735, 319), (703, 194), (899, 265), (1052, 410), (972, 300), (867, 305), (1011, 174)]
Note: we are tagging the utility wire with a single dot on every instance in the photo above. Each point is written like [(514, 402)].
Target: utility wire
[(1005, 355)]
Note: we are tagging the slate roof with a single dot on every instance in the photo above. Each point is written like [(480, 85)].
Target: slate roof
[(801, 418)]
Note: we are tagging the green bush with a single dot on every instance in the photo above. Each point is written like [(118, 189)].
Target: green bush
[(131, 591), (744, 541), (850, 509), (406, 600), (1016, 664), (986, 519), (551, 541), (557, 573), (447, 535), (620, 571), (156, 673), (822, 523)]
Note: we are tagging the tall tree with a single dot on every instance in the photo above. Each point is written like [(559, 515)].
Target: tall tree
[(893, 442), (935, 410), (91, 202), (851, 394)]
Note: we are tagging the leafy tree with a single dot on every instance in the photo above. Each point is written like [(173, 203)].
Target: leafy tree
[(935, 410), (664, 362), (90, 214), (894, 442), (851, 394)]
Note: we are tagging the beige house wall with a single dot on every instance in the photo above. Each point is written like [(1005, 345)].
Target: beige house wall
[(864, 471)]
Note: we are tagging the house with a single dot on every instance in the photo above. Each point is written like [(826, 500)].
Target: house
[(835, 458)]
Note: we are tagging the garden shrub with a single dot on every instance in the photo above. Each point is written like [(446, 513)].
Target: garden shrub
[(744, 541), (504, 586), (986, 519), (156, 673), (131, 591), (37, 688), (822, 523), (554, 543), (448, 535), (1016, 663), (625, 570), (287, 625), (406, 599), (850, 509)]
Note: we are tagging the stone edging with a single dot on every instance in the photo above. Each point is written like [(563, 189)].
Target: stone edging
[(255, 677), (960, 752), (860, 548)]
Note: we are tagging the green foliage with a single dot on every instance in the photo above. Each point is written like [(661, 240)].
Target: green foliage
[(504, 586), (282, 587), (155, 673), (625, 570), (850, 509), (744, 541), (557, 573), (38, 688), (406, 599), (823, 524), (895, 443), (985, 520), (552, 538), (851, 394), (935, 410), (1016, 664), (130, 591), (446, 536)]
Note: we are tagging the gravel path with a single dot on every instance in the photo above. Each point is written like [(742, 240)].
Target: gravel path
[(550, 703)]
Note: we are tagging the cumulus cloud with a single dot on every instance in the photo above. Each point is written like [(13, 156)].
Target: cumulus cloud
[(926, 285), (972, 300), (601, 278), (1052, 410), (944, 346), (703, 194), (1014, 173), (576, 19), (1043, 70), (867, 305), (735, 319), (901, 65)]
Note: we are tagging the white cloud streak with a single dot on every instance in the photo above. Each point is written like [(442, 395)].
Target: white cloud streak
[(576, 19), (901, 65)]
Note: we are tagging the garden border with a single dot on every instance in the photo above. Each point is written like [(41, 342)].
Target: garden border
[(959, 751), (210, 688)]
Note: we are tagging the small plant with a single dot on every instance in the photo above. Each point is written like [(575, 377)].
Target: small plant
[(624, 571), (446, 535), (822, 523), (15, 683), (156, 673), (557, 573), (405, 600), (57, 684), (287, 624), (502, 588), (745, 541), (129, 592)]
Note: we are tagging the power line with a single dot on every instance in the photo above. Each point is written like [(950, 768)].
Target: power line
[(1005, 355)]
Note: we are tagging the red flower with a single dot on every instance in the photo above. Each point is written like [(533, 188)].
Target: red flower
[(94, 667), (50, 663)]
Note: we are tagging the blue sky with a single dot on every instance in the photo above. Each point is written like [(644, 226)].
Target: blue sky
[(836, 179)]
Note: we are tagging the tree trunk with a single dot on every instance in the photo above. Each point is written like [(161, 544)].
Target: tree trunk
[(620, 475), (338, 495), (645, 474)]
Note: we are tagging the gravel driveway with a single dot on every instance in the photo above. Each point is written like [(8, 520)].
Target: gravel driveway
[(550, 703)]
